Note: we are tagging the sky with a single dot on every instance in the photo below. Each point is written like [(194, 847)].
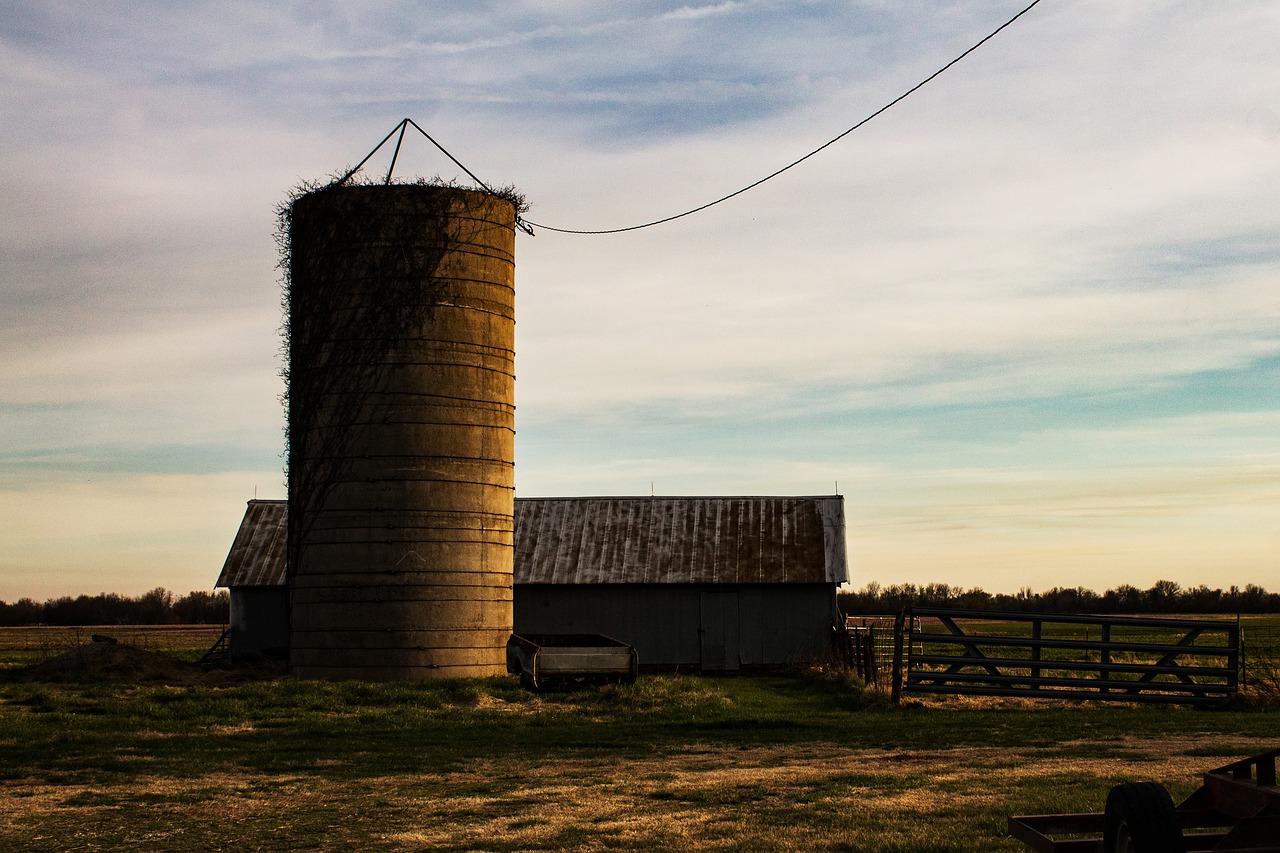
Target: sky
[(1027, 321)]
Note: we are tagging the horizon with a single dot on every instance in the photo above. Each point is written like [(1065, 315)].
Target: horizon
[(869, 588)]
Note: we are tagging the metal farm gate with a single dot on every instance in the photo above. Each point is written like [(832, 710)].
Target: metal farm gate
[(1119, 658)]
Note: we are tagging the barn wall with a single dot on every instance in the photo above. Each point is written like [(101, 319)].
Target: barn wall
[(259, 623), (713, 627)]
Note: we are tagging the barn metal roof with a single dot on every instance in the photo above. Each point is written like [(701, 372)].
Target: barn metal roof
[(257, 556), (616, 540), (680, 540)]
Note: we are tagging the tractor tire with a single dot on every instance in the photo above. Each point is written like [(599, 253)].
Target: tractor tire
[(1140, 819)]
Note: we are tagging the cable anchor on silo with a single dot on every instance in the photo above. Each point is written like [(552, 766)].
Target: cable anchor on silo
[(401, 127)]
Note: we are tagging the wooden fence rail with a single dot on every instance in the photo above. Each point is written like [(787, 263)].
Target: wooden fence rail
[(1052, 656)]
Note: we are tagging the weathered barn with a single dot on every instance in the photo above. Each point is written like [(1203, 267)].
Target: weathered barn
[(714, 583), (254, 573), (709, 583)]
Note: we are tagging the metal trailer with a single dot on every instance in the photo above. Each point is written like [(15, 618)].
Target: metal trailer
[(1237, 808), (552, 660)]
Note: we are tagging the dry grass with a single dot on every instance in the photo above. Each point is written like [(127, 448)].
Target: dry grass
[(700, 798), (806, 761)]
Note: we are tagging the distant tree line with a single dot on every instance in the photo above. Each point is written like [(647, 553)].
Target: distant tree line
[(1163, 597), (157, 607)]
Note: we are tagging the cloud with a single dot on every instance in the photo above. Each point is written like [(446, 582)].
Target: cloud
[(1059, 254)]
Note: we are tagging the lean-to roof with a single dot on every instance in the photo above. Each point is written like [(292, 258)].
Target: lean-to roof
[(257, 556)]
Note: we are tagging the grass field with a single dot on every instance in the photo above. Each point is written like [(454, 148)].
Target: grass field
[(33, 644), (807, 761)]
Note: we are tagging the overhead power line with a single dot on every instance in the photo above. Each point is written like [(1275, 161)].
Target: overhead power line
[(527, 226), (794, 163)]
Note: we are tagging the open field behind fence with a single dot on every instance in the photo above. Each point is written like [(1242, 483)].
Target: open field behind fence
[(23, 646), (39, 643), (1260, 641), (1044, 655)]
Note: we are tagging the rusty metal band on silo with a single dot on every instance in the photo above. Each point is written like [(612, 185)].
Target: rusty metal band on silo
[(401, 432)]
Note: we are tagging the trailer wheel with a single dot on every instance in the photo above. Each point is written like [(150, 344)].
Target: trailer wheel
[(1140, 819)]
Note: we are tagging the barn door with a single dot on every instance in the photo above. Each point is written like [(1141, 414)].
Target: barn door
[(719, 631)]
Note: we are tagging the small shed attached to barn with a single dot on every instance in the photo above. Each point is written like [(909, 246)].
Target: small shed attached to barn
[(254, 574), (707, 583)]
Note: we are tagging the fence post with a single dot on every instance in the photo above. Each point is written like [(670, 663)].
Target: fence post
[(1037, 634), (1244, 681), (869, 662), (843, 642), (1104, 658), (895, 684)]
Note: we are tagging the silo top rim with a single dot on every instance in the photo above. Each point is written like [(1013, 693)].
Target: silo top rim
[(402, 189)]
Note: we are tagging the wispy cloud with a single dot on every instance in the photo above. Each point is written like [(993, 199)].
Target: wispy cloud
[(1055, 260), (685, 13)]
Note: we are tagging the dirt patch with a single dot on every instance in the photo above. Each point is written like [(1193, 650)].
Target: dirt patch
[(108, 661), (115, 662)]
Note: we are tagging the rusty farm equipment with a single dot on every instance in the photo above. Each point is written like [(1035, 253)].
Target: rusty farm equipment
[(552, 660), (1237, 808)]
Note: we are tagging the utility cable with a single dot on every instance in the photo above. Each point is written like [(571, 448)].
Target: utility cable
[(527, 226), (792, 164)]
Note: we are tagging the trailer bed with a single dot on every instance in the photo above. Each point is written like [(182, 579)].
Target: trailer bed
[(551, 660)]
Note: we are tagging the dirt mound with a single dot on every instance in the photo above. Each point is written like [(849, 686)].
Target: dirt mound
[(110, 661)]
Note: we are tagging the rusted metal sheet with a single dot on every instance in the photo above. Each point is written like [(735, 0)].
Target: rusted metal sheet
[(1237, 808), (257, 556), (623, 540), (734, 540)]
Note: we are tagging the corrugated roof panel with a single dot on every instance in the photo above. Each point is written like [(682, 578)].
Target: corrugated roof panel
[(680, 540), (622, 540), (257, 556), (744, 566)]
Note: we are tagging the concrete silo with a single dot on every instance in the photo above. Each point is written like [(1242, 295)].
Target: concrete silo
[(401, 331)]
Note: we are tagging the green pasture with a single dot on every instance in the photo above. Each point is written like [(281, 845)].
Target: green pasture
[(804, 761)]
